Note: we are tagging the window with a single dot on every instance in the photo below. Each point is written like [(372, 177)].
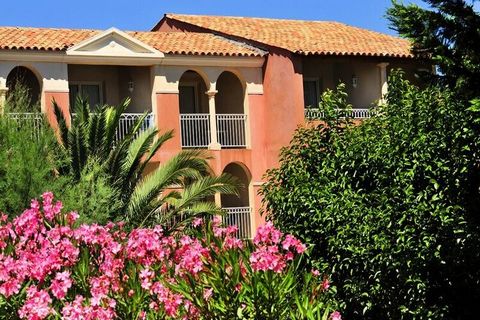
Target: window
[(188, 98), (91, 91), (311, 93)]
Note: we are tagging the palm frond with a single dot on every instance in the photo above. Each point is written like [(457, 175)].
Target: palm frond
[(62, 125), (186, 164), (112, 119), (205, 187), (136, 151)]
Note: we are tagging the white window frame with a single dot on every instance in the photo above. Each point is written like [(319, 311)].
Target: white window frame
[(97, 83), (317, 88)]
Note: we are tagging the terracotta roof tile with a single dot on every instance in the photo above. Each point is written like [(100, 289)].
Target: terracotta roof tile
[(195, 44), (304, 37), (20, 38)]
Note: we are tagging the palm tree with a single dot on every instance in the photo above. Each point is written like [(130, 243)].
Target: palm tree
[(180, 187)]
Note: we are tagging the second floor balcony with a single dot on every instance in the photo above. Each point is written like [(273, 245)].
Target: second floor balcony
[(196, 130), (212, 118)]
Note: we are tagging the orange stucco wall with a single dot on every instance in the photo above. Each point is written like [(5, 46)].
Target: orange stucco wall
[(167, 117), (62, 100), (283, 90)]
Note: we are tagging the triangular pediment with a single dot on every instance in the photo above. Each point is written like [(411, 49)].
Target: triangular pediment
[(113, 43)]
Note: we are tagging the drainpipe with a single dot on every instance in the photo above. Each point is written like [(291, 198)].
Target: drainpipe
[(214, 145)]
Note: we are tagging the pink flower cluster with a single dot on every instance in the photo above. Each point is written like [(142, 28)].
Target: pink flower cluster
[(92, 272), (273, 249)]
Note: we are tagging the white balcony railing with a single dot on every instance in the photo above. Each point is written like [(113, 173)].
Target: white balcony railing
[(128, 120), (195, 130), (239, 216), (315, 113), (231, 130), (33, 119)]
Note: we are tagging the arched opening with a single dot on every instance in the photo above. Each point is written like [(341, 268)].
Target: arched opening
[(230, 111), (237, 208), (191, 89), (194, 116), (23, 90), (230, 96)]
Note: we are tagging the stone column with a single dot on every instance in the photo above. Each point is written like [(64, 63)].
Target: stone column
[(3, 98), (214, 145), (383, 81)]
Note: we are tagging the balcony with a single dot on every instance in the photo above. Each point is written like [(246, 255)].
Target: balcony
[(196, 130), (239, 216), (231, 130), (32, 119), (356, 113), (128, 120)]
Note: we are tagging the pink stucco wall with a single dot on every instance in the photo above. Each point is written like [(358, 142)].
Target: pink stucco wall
[(62, 100), (283, 89)]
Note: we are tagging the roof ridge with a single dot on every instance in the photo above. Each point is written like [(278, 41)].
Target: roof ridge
[(48, 28), (246, 17), (172, 15)]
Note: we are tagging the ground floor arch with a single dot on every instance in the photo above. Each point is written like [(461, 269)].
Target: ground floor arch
[(238, 208), (24, 89)]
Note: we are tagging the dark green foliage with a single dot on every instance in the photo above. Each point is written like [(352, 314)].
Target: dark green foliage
[(449, 33), (391, 205), (26, 161), (92, 195)]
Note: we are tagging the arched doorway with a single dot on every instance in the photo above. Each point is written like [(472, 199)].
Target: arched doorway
[(194, 115), (230, 111), (238, 208), (23, 90)]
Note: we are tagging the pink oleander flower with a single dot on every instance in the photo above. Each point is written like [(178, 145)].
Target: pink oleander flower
[(37, 305), (197, 222), (335, 316), (207, 294), (291, 242), (72, 217), (267, 234), (315, 272), (61, 284), (146, 277), (267, 258), (325, 284), (170, 301), (10, 287)]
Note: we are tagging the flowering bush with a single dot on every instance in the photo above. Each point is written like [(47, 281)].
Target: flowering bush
[(51, 269)]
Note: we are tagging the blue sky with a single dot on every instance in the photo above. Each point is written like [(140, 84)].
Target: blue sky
[(143, 14)]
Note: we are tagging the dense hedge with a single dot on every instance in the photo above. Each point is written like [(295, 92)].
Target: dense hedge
[(390, 205)]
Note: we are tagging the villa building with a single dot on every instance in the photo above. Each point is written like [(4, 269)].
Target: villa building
[(238, 87)]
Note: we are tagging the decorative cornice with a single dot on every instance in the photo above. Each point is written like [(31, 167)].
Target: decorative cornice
[(215, 61), (138, 60)]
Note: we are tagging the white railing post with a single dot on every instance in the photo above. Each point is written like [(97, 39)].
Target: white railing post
[(231, 130), (241, 217), (214, 145), (33, 119), (128, 120), (195, 130), (355, 113)]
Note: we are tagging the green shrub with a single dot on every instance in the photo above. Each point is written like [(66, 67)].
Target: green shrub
[(27, 162), (390, 205)]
